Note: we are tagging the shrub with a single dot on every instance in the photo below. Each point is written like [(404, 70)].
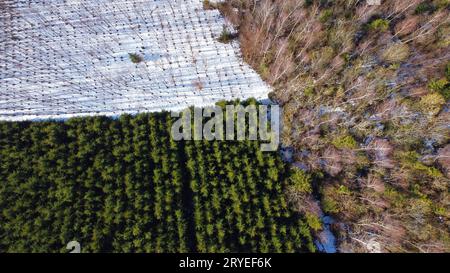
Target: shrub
[(380, 25), (432, 103), (441, 86), (442, 36), (424, 7), (410, 160), (396, 53), (343, 190), (441, 4), (345, 142), (264, 70), (326, 15), (226, 36), (308, 3), (321, 58), (309, 91), (300, 181), (437, 85), (330, 206), (135, 58), (430, 171), (396, 198), (313, 221), (440, 211)]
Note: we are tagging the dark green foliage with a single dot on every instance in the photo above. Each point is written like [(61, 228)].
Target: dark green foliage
[(326, 15), (308, 3), (238, 204), (122, 185), (226, 36), (424, 7), (135, 58), (442, 85)]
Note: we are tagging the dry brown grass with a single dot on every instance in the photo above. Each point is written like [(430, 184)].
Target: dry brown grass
[(337, 75), (407, 26), (395, 53)]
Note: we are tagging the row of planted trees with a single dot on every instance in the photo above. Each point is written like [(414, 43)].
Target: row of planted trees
[(239, 204), (123, 185)]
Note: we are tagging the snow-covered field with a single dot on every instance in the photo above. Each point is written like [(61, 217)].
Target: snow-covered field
[(66, 58)]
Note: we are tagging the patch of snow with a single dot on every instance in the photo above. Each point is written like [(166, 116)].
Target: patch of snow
[(68, 58), (327, 241)]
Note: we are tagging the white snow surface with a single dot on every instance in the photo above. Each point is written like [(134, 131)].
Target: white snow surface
[(66, 58)]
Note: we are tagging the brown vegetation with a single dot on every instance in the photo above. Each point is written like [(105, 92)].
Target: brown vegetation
[(365, 97)]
